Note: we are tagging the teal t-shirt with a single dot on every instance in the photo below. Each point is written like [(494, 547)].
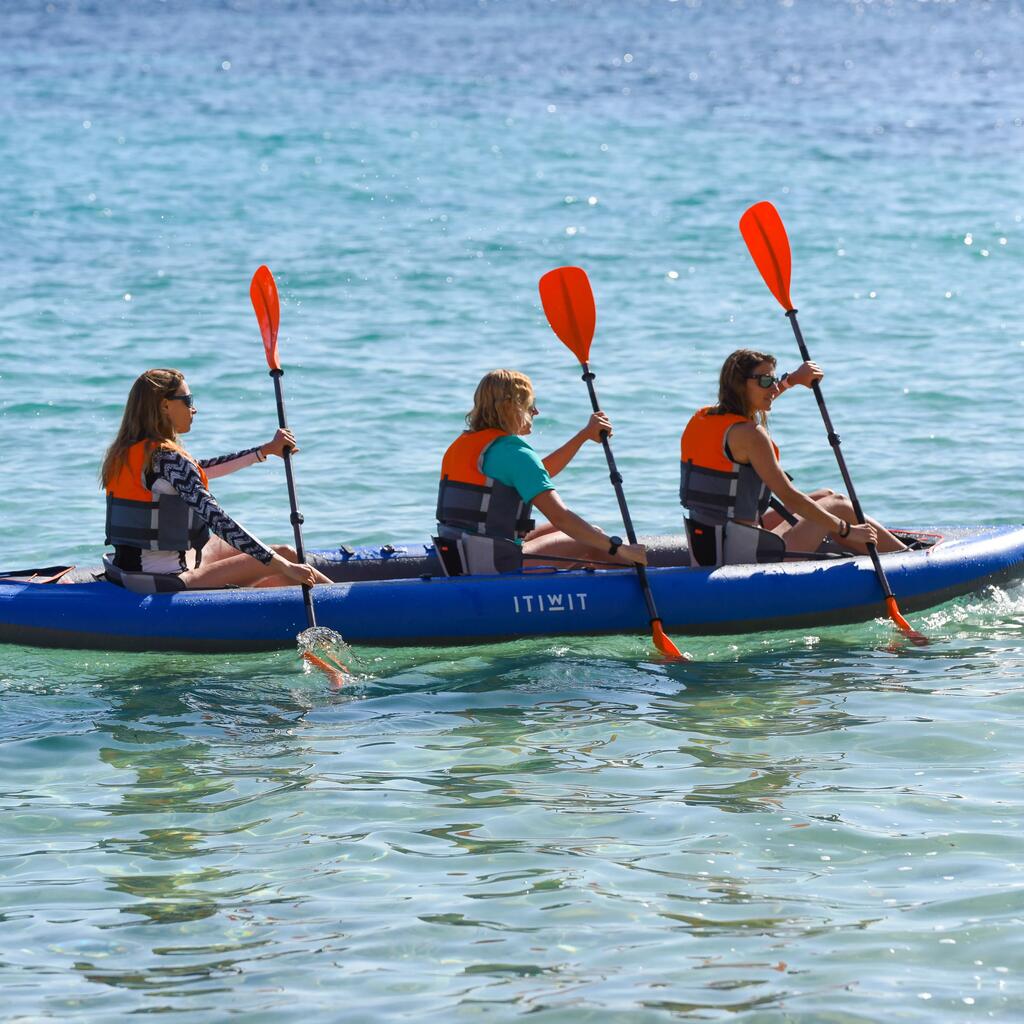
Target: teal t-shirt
[(512, 461)]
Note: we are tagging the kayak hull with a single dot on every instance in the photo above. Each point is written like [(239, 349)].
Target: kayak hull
[(433, 610)]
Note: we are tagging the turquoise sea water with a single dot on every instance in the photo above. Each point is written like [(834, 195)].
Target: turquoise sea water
[(797, 827)]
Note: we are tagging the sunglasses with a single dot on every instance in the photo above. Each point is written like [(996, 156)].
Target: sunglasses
[(764, 380), (187, 399)]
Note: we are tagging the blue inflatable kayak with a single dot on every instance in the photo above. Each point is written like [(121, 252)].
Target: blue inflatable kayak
[(396, 596)]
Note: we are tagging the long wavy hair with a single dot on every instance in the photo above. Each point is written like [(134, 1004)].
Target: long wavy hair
[(143, 420), (732, 382), (499, 397)]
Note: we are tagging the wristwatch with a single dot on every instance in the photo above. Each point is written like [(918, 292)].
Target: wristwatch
[(616, 543)]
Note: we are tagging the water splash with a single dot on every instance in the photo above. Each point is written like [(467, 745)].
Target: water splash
[(325, 650), (993, 611)]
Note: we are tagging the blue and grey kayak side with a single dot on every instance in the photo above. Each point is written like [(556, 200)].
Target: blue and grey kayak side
[(428, 609)]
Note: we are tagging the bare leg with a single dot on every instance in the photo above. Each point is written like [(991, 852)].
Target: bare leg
[(216, 550), (807, 535), (241, 571), (772, 519), (541, 531), (238, 570)]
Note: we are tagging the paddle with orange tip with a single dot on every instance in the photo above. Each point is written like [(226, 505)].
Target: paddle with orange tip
[(568, 304), (766, 238), (263, 292)]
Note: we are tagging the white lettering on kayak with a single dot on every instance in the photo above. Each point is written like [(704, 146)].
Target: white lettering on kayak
[(530, 603)]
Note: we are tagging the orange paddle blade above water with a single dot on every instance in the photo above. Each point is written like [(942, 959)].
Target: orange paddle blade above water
[(568, 302), (263, 292), (766, 238)]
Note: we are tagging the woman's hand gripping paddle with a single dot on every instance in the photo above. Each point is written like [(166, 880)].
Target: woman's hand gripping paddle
[(569, 306), (263, 292), (765, 235)]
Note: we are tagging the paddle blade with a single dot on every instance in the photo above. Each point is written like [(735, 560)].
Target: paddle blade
[(664, 644), (325, 650), (765, 235), (569, 306), (263, 293), (337, 674), (919, 639)]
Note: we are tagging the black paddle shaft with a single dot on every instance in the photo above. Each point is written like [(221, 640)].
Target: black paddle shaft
[(836, 442), (616, 478), (296, 515)]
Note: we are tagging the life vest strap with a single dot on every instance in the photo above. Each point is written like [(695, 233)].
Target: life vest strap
[(167, 524), (782, 510)]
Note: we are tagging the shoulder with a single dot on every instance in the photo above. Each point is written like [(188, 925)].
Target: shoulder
[(513, 461), (512, 443), (746, 438), (165, 450), (510, 450), (744, 434), (171, 457)]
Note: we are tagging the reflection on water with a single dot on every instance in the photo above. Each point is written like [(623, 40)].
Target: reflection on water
[(530, 826)]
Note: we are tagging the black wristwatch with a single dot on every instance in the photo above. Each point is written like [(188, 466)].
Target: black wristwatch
[(616, 543)]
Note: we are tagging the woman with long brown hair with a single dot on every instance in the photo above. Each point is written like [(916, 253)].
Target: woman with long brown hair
[(491, 478), (167, 530), (730, 470)]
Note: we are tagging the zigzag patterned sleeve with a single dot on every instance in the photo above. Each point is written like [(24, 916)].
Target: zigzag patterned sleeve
[(182, 475)]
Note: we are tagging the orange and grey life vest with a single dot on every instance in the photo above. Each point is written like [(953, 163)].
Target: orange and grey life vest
[(469, 501), (139, 518), (712, 486)]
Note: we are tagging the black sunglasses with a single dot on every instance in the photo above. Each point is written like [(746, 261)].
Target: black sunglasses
[(187, 399), (765, 380)]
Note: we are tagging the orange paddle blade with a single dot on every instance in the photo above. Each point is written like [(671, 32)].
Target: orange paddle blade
[(569, 306), (765, 235), (664, 643), (908, 630), (263, 293), (335, 671)]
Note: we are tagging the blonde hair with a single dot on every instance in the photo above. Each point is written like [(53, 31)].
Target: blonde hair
[(732, 382), (499, 396), (144, 420)]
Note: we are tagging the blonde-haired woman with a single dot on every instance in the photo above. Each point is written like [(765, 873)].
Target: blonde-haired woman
[(160, 512), (730, 470), (491, 477)]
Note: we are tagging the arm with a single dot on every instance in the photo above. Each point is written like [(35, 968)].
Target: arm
[(552, 506), (750, 443), (224, 464), (807, 374), (181, 474), (561, 457)]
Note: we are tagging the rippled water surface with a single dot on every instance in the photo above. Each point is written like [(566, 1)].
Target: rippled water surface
[(796, 827)]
